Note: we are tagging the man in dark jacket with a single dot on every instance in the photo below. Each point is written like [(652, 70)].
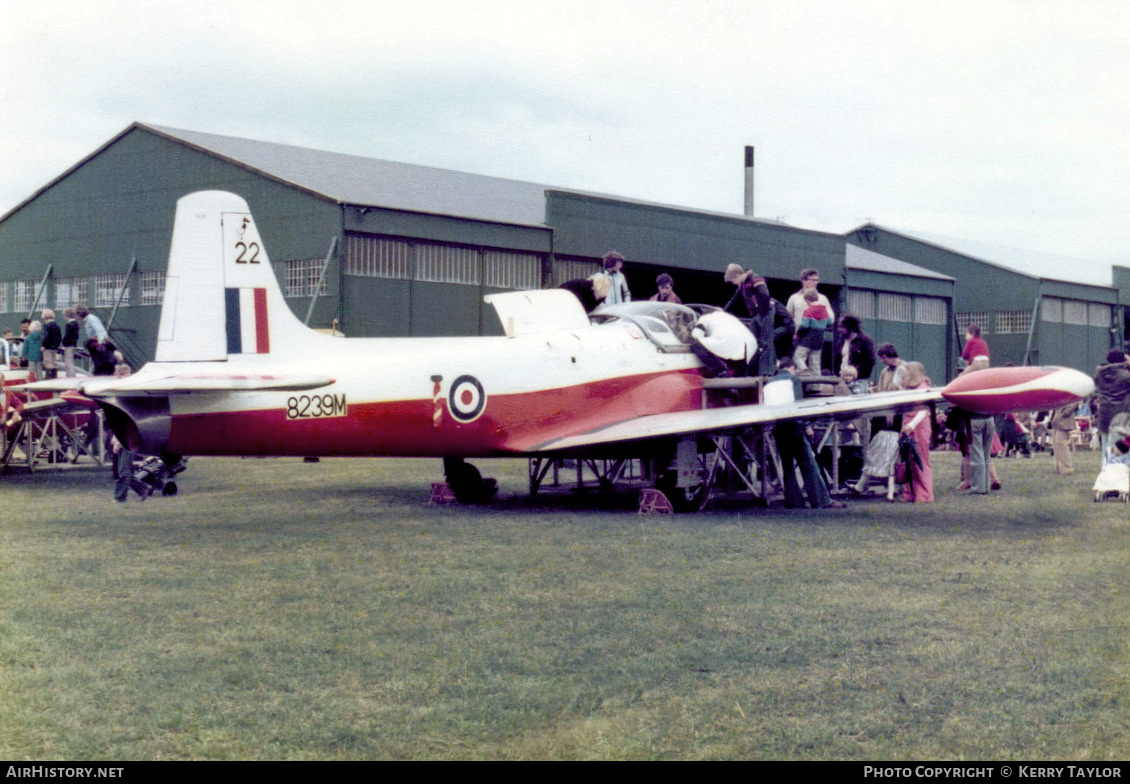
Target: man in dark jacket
[(52, 340), (70, 341), (1112, 382), (859, 350), (770, 322), (796, 451)]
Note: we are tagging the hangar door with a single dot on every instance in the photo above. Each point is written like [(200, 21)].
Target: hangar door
[(915, 325), (1074, 333)]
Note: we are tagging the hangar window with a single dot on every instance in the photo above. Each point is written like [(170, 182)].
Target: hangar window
[(929, 310), (387, 257), (70, 291), (508, 270), (23, 295), (1014, 322), (377, 257), (302, 277), (1099, 314), (448, 264), (965, 319), (107, 289), (152, 287), (4, 297), (573, 269), (1051, 310), (894, 307), (861, 303), (1074, 312)]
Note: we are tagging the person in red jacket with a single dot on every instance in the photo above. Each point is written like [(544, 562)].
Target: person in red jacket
[(975, 346)]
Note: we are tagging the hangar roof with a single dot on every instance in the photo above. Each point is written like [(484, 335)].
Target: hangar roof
[(863, 259), (353, 179), (1034, 264), (372, 182)]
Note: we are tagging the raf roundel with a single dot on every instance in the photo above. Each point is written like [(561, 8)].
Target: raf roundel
[(466, 400)]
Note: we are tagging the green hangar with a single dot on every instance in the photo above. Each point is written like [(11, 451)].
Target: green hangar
[(378, 248), (374, 247), (1027, 318)]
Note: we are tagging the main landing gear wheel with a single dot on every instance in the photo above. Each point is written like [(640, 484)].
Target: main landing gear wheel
[(467, 483), (686, 468), (683, 499)]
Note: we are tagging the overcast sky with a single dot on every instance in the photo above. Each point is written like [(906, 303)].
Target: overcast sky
[(999, 122)]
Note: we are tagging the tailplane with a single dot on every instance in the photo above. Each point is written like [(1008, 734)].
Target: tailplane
[(222, 299)]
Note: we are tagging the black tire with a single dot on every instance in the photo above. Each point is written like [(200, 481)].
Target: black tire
[(467, 483)]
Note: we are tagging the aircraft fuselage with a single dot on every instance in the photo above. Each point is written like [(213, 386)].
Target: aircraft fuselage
[(430, 397)]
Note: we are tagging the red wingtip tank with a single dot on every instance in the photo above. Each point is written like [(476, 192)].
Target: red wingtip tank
[(1000, 390)]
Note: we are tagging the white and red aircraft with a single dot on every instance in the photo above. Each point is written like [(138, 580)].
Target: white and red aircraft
[(236, 373)]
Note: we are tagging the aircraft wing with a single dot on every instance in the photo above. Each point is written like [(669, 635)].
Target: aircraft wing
[(990, 391), (56, 406), (179, 384), (737, 417), (52, 385)]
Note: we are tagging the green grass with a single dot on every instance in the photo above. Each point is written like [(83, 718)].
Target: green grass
[(282, 610)]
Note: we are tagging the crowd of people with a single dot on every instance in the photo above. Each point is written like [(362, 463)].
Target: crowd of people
[(43, 345), (790, 345)]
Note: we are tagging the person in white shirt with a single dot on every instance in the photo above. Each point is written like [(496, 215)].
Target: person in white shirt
[(809, 279)]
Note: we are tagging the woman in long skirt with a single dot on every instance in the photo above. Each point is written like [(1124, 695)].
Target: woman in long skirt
[(916, 424)]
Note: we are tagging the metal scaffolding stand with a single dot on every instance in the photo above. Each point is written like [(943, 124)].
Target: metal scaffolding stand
[(49, 432)]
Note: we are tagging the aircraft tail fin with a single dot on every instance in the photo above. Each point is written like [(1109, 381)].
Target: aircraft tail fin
[(222, 299)]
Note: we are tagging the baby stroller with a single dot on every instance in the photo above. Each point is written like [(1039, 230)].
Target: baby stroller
[(879, 463), (1113, 480)]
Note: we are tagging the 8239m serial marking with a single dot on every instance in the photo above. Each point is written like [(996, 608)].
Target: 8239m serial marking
[(315, 406)]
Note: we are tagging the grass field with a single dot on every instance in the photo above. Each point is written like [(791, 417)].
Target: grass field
[(283, 610)]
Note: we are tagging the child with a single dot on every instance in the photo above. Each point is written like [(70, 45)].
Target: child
[(862, 425), (851, 377), (810, 334)]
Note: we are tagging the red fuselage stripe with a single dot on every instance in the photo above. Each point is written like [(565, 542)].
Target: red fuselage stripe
[(510, 423)]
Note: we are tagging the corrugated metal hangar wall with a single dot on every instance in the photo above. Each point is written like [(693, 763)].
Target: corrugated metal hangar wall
[(908, 307)]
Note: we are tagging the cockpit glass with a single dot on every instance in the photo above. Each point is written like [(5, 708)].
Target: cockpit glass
[(665, 324)]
